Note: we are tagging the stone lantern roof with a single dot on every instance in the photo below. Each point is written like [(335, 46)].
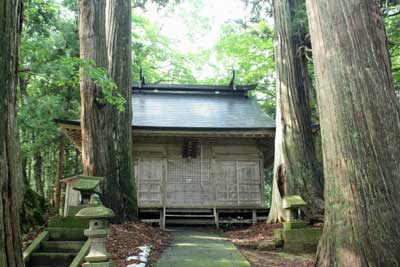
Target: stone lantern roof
[(96, 210), (293, 202)]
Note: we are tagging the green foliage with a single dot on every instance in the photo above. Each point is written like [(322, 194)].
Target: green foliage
[(33, 210), (48, 90), (68, 222), (99, 76), (250, 52), (392, 23), (152, 52)]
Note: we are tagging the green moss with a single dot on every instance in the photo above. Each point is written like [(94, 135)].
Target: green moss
[(35, 245), (278, 233), (194, 248), (278, 242), (66, 234), (86, 184), (68, 222), (99, 178), (73, 210), (304, 236), (293, 201), (81, 255), (294, 225), (33, 210)]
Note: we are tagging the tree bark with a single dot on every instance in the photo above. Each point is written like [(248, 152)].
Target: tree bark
[(76, 161), (59, 173), (11, 185), (296, 166), (360, 127), (37, 175), (93, 113), (120, 189), (106, 146)]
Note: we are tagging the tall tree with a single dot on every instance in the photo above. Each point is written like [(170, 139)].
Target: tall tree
[(59, 173), (296, 169), (94, 112), (38, 171), (120, 189), (360, 125), (106, 132), (10, 162)]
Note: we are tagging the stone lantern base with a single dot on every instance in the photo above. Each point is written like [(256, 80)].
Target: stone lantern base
[(98, 264), (295, 238)]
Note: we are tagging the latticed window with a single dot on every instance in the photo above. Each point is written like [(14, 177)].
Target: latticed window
[(193, 171)]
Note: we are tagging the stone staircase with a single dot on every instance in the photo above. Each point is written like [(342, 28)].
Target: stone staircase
[(57, 247)]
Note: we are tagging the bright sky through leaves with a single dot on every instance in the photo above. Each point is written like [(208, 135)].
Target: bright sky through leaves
[(194, 25)]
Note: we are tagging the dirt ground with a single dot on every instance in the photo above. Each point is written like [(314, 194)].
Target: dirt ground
[(125, 238), (245, 238), (259, 258), (249, 235)]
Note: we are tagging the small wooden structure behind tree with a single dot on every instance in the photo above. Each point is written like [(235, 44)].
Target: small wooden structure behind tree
[(78, 190), (198, 151)]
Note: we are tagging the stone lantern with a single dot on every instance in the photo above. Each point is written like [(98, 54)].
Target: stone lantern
[(296, 235), (292, 205), (98, 216)]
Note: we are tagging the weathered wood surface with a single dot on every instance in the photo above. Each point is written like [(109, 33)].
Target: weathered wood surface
[(220, 175)]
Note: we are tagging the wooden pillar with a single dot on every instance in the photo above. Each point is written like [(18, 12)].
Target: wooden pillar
[(216, 217), (254, 217), (162, 218)]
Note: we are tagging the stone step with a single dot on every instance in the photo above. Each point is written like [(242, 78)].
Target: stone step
[(61, 246), (66, 234), (51, 259)]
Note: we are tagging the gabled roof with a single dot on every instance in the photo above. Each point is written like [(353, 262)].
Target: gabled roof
[(206, 108), (198, 111)]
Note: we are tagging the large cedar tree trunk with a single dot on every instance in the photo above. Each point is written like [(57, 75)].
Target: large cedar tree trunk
[(296, 169), (11, 185), (121, 188), (360, 125), (93, 112), (104, 149)]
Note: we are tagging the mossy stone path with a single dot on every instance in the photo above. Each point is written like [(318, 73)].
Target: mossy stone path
[(201, 248)]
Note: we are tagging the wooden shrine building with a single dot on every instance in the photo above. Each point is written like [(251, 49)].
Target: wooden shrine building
[(199, 152)]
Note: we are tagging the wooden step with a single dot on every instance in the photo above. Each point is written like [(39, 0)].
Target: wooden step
[(191, 222), (177, 210), (190, 215), (150, 220)]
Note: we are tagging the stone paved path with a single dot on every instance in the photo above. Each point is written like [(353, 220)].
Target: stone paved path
[(201, 248)]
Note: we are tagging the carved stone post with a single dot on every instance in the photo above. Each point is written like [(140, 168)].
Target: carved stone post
[(98, 216)]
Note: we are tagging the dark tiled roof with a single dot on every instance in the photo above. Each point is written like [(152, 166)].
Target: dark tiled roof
[(211, 111)]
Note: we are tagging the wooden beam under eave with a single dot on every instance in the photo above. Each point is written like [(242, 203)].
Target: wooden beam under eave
[(74, 135), (239, 134)]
